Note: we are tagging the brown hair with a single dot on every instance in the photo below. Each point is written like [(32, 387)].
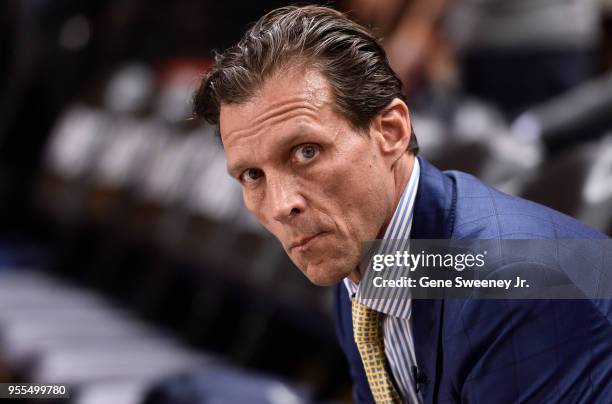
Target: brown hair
[(346, 53)]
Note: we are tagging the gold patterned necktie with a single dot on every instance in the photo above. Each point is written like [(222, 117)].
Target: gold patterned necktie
[(369, 339)]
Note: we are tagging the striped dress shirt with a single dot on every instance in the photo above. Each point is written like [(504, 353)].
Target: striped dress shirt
[(397, 329)]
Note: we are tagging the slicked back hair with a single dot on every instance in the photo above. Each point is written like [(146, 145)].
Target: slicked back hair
[(344, 52)]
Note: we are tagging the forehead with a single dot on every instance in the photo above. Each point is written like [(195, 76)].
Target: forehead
[(290, 94)]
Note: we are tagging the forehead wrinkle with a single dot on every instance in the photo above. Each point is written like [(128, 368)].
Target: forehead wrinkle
[(282, 106), (309, 92), (273, 117)]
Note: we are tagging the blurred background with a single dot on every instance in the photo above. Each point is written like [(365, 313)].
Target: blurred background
[(129, 268)]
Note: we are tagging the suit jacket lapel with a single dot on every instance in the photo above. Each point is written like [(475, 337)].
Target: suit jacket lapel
[(434, 213)]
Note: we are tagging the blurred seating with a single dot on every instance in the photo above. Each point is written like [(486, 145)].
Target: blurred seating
[(51, 332), (225, 386), (585, 173)]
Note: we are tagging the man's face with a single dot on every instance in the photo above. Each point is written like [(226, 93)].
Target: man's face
[(312, 180)]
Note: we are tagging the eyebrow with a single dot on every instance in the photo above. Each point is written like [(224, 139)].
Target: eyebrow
[(281, 145), (237, 169)]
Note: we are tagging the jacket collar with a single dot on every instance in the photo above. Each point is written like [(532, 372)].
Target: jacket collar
[(434, 207)]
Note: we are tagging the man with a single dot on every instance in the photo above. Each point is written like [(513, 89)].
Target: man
[(317, 133)]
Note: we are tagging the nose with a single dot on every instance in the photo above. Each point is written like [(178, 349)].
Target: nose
[(285, 200)]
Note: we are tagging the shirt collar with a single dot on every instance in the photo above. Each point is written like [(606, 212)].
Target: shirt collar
[(399, 229)]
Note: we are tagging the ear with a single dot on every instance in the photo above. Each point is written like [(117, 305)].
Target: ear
[(391, 128)]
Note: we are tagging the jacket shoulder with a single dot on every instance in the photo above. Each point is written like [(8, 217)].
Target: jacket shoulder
[(483, 212)]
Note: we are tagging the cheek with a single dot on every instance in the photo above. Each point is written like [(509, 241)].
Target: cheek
[(253, 203), (360, 195), (249, 202)]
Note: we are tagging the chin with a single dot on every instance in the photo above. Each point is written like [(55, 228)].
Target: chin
[(325, 275)]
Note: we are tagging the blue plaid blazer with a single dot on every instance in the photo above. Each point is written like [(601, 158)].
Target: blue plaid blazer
[(496, 351)]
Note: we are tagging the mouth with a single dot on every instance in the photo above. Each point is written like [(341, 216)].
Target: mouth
[(303, 243)]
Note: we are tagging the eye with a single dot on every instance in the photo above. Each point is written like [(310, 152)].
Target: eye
[(251, 175), (305, 152)]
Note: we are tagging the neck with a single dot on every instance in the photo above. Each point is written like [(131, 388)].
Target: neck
[(401, 171)]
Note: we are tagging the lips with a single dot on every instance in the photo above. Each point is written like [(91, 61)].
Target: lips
[(303, 242)]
